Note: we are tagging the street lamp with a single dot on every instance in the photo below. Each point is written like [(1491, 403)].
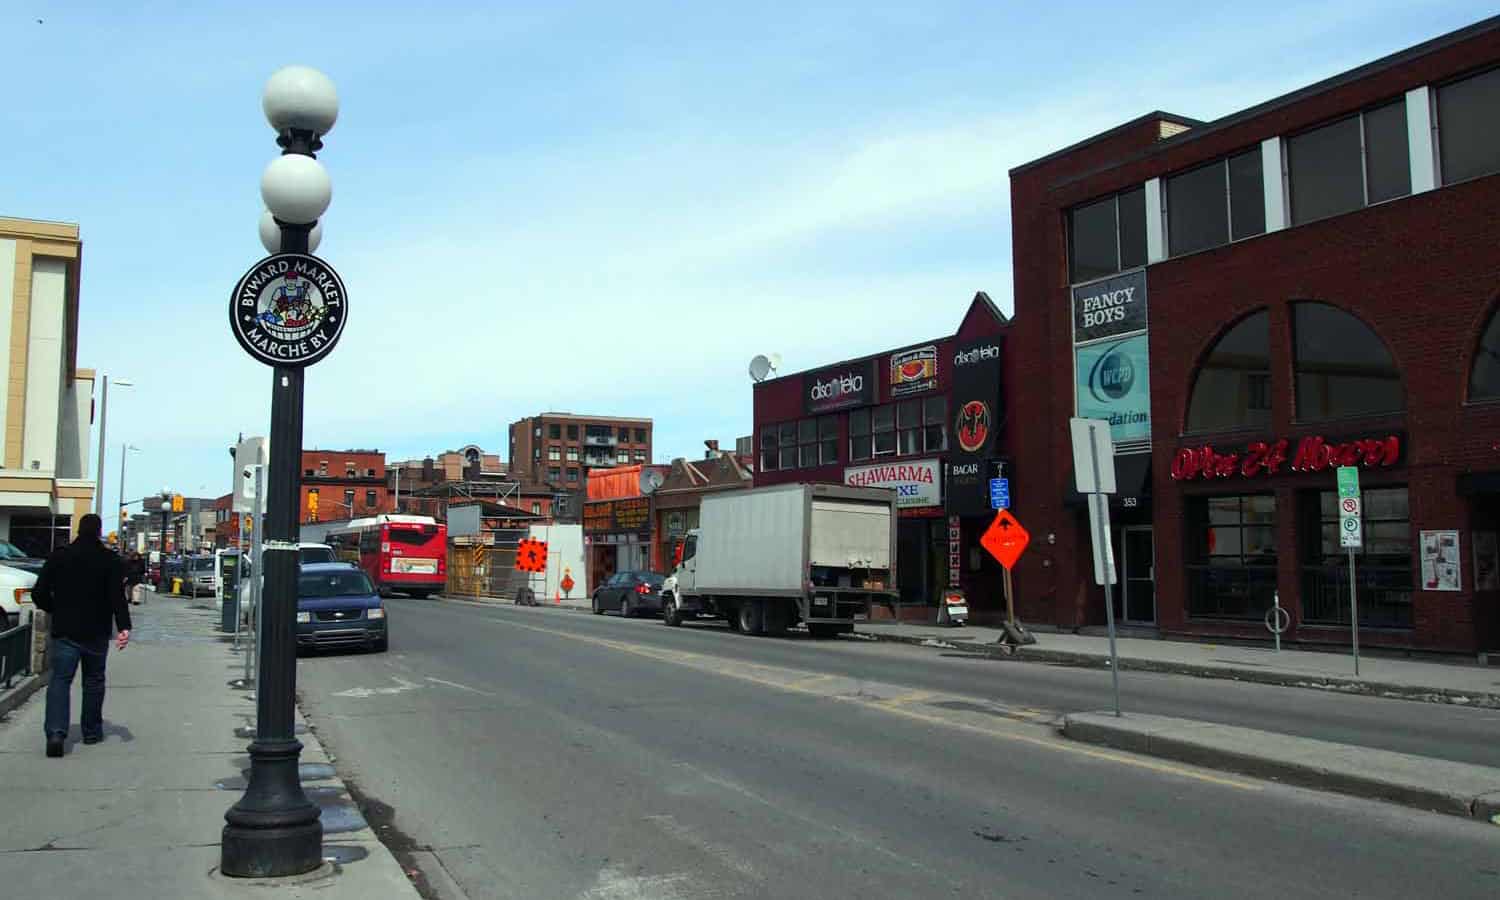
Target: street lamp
[(166, 515), (125, 450), (274, 830), (103, 421)]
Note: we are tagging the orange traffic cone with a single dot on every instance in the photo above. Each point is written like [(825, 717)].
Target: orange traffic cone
[(557, 597)]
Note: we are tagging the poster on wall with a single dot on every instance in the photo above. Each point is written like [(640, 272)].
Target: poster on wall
[(1113, 383), (1486, 561), (1109, 308), (1441, 569), (914, 371)]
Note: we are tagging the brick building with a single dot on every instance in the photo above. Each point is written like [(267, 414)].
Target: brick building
[(347, 484), (925, 419), (558, 448), (1250, 302)]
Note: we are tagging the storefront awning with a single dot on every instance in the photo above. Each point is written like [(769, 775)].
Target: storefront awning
[(1132, 479)]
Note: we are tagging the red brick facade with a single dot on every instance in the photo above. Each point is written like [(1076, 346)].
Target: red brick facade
[(1422, 271), (349, 484)]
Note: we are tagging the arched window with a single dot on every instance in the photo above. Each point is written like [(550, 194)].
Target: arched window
[(1484, 378), (472, 455), (1342, 368), (1233, 389)]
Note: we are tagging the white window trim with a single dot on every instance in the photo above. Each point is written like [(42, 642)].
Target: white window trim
[(1156, 223), (1421, 139), (1273, 177)]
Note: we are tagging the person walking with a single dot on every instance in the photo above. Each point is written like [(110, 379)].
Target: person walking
[(82, 589)]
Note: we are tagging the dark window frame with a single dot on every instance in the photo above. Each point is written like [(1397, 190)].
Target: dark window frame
[(1253, 388), (1437, 113), (1364, 161), (1225, 165), (1299, 415), (1120, 263), (1211, 583), (1386, 580)]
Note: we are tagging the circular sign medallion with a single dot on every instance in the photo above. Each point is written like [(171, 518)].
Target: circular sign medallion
[(288, 310)]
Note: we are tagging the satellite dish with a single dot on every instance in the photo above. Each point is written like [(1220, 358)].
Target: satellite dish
[(775, 362), (760, 367), (650, 480)]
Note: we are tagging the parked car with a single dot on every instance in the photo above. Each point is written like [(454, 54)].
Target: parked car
[(201, 570), (630, 593), (16, 558), (15, 596), (337, 607)]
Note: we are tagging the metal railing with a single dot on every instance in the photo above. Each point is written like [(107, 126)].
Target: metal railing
[(15, 653)]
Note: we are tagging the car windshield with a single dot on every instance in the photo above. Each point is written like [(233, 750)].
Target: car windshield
[(203, 564), (652, 578), (352, 583), (307, 555)]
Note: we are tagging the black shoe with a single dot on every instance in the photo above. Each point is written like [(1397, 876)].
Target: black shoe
[(93, 740), (54, 747)]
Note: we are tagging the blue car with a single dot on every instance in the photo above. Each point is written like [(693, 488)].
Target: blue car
[(338, 607)]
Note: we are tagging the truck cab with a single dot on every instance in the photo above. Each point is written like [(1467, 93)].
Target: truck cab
[(683, 580)]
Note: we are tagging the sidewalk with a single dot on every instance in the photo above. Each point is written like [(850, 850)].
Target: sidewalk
[(1435, 682), (139, 815)]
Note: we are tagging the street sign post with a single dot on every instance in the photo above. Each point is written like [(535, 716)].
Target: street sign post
[(1006, 540), (1351, 538), (1094, 475), (999, 493)]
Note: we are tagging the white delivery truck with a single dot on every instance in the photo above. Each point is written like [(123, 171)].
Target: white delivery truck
[(768, 558)]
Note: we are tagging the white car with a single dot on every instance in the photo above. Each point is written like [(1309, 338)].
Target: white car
[(15, 597)]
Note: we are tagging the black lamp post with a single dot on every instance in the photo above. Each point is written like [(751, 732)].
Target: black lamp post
[(274, 830)]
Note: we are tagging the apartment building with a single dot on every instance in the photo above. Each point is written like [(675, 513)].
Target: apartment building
[(559, 448)]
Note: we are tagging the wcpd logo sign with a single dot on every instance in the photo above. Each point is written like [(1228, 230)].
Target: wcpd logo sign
[(288, 310)]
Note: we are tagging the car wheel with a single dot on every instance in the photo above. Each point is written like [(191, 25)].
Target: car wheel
[(598, 610), (383, 644), (669, 616), (626, 612)]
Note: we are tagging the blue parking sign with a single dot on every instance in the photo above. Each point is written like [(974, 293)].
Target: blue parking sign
[(1000, 493)]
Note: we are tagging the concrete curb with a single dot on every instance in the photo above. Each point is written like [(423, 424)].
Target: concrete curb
[(1452, 788), (21, 692), (1233, 673)]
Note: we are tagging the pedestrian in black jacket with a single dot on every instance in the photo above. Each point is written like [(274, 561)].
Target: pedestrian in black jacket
[(82, 589)]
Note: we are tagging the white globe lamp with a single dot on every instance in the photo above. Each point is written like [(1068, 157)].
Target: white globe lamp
[(296, 189), (300, 98), (270, 234)]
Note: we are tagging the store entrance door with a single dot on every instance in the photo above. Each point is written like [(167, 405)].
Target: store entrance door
[(1139, 582)]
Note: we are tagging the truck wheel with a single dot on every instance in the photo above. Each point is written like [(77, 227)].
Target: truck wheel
[(669, 614), (597, 610), (778, 616), (752, 617), (731, 616)]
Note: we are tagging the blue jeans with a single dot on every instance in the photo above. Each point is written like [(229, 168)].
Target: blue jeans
[(66, 655)]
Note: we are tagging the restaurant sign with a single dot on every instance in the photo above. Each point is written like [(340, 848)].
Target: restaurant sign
[(918, 483), (629, 515), (841, 387), (1311, 454)]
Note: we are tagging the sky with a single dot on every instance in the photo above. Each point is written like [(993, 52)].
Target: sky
[(605, 208)]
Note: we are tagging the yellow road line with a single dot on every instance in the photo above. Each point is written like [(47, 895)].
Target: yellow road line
[(895, 706)]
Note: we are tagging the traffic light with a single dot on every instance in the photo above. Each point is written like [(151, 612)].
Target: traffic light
[(176, 503), (312, 506)]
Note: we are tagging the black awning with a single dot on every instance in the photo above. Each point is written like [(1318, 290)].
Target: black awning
[(1132, 479), (1478, 483)]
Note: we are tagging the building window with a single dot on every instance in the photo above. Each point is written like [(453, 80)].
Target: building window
[(554, 453), (307, 473), (1342, 369), (1213, 204), (934, 424), (802, 444), (622, 456), (640, 456), (369, 473), (554, 431), (554, 473), (1107, 236), (859, 435), (323, 468), (1232, 556), (572, 432), (640, 435), (768, 444), (1349, 164), (572, 454), (370, 499), (1383, 563), (1484, 377), (1233, 387), (572, 474), (349, 500), (536, 453), (624, 435), (536, 508), (1468, 144)]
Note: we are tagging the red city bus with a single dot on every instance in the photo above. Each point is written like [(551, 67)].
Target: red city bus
[(408, 554)]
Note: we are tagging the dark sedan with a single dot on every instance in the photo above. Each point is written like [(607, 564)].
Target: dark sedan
[(630, 593), (338, 607)]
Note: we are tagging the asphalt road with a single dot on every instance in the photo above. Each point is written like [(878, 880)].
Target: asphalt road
[(538, 753)]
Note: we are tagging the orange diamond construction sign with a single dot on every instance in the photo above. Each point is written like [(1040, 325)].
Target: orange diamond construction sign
[(1005, 539)]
